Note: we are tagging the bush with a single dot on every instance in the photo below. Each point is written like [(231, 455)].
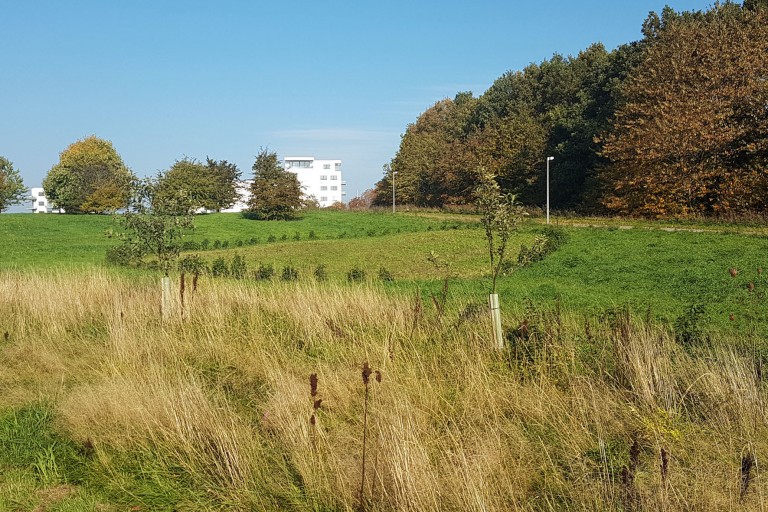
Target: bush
[(289, 273), (297, 236), (271, 239), (264, 272), (253, 240), (312, 235), (284, 237), (205, 244), (239, 243), (237, 268), (225, 244), (219, 268), (385, 275), (320, 273), (217, 244), (190, 245), (121, 255), (356, 275), (192, 265)]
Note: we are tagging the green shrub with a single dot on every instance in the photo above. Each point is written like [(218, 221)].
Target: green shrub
[(121, 255), (225, 244), (312, 235), (264, 272), (320, 273), (237, 268), (217, 244), (205, 244), (289, 273), (297, 236), (271, 239), (192, 264), (356, 275), (219, 268), (385, 275)]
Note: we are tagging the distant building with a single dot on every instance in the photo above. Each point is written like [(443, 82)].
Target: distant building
[(320, 179), (40, 203)]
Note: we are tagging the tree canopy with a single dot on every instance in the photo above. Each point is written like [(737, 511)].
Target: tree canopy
[(672, 124), (89, 178), (275, 193), (12, 189), (692, 134), (211, 185)]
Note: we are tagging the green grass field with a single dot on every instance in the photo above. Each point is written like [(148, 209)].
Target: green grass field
[(629, 388), (604, 264)]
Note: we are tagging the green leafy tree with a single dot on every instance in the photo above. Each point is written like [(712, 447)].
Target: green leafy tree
[(12, 189), (153, 226), (500, 215), (211, 185), (89, 178), (275, 193)]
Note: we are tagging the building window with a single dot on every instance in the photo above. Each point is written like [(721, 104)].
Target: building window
[(41, 193), (41, 203), (326, 166), (323, 188), (324, 177), (323, 198), (299, 163), (338, 165), (334, 187), (334, 177)]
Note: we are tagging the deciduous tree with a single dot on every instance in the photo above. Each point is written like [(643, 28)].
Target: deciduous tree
[(692, 133), (12, 189), (89, 178), (275, 193)]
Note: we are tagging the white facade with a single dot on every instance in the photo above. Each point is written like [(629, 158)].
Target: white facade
[(40, 203), (320, 179)]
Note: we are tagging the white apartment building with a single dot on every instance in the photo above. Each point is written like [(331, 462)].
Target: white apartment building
[(40, 203), (320, 179)]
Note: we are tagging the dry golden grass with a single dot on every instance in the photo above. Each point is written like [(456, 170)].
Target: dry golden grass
[(223, 396)]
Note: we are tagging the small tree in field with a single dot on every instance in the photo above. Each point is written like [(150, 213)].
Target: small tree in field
[(12, 189), (154, 226), (501, 214), (275, 192)]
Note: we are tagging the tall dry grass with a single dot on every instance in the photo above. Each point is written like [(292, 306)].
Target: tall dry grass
[(223, 397)]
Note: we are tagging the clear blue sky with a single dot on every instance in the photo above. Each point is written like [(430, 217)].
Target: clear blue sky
[(167, 79)]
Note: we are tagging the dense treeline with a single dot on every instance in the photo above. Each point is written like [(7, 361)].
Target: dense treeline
[(673, 124)]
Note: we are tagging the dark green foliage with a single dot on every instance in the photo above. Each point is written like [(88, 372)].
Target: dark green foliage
[(356, 275), (289, 273), (239, 243), (219, 268), (190, 245), (550, 240), (192, 264), (225, 244), (122, 256), (271, 239), (275, 192), (216, 244), (12, 189), (265, 272), (205, 244), (312, 235), (253, 240), (385, 275), (238, 268), (689, 327), (297, 236), (321, 274), (284, 237)]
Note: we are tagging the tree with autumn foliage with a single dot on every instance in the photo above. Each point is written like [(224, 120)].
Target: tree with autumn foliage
[(89, 178), (691, 136)]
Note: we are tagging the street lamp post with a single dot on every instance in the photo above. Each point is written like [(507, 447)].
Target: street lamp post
[(549, 159), (394, 173)]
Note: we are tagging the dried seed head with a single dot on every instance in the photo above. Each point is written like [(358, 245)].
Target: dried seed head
[(751, 287), (378, 376), (317, 403), (733, 272), (6, 335), (366, 373), (731, 317), (312, 420), (313, 384)]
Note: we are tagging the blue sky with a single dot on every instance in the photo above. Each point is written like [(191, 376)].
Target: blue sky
[(167, 79)]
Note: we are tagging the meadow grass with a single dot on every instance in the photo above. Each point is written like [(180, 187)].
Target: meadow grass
[(105, 407)]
